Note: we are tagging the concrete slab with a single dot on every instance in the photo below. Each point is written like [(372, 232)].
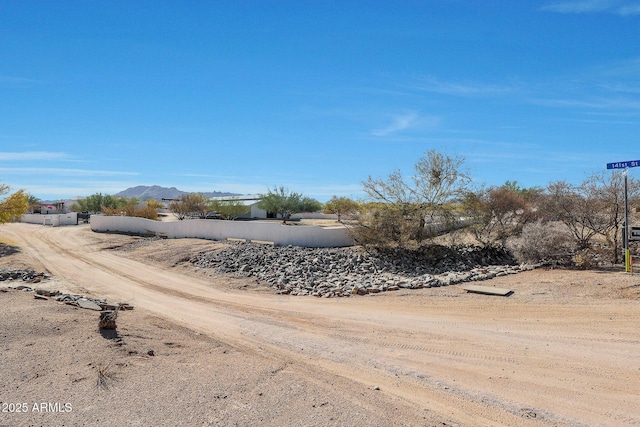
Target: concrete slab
[(90, 305), (487, 290), (263, 242)]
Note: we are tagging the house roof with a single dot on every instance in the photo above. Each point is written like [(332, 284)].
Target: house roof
[(245, 199)]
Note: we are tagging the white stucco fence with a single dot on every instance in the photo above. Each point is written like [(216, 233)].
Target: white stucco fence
[(295, 235), (55, 220)]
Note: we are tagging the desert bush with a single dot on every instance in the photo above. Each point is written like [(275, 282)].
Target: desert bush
[(497, 213), (341, 206), (585, 259), (112, 211), (381, 225), (190, 205), (542, 242), (149, 211), (409, 212)]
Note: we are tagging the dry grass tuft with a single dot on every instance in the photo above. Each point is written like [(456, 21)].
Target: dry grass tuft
[(105, 376)]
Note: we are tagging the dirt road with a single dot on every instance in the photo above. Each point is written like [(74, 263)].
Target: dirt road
[(564, 349)]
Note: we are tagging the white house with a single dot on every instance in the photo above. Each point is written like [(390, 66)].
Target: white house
[(54, 207)]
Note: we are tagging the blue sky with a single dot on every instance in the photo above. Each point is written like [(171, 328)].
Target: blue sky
[(242, 96)]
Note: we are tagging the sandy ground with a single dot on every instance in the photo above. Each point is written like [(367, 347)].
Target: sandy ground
[(563, 350)]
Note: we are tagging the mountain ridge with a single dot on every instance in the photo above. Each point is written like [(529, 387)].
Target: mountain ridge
[(157, 192)]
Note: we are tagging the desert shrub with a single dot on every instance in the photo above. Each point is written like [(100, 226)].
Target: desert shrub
[(584, 259), (409, 212), (148, 212), (542, 242), (111, 211), (497, 213), (597, 255), (381, 225)]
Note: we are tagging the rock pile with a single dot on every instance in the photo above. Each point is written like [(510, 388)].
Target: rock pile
[(24, 275), (336, 272), (73, 299)]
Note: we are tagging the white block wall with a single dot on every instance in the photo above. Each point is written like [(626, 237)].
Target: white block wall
[(55, 220), (295, 235)]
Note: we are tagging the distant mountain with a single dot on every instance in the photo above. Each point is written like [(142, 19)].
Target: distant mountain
[(155, 192)]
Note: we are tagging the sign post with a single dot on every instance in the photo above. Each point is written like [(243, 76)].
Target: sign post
[(625, 165)]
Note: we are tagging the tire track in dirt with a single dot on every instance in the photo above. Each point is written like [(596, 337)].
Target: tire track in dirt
[(370, 342), (429, 349), (282, 346), (361, 373)]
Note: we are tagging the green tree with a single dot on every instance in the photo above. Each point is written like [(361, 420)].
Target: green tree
[(87, 204), (107, 204), (309, 204), (228, 209), (190, 205), (91, 204), (34, 203), (341, 206), (14, 206), (285, 203)]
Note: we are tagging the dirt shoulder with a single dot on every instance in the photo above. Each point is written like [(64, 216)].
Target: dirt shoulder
[(562, 350), (62, 371)]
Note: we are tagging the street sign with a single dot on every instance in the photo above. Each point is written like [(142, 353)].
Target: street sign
[(628, 233), (623, 165)]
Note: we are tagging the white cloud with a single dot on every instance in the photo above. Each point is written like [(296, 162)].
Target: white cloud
[(33, 155), (595, 103), (63, 172), (432, 84), (325, 192), (626, 88), (56, 189), (613, 87), (619, 7), (17, 81), (633, 9), (399, 123), (410, 120)]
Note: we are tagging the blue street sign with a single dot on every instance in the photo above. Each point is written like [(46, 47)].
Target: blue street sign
[(623, 165)]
